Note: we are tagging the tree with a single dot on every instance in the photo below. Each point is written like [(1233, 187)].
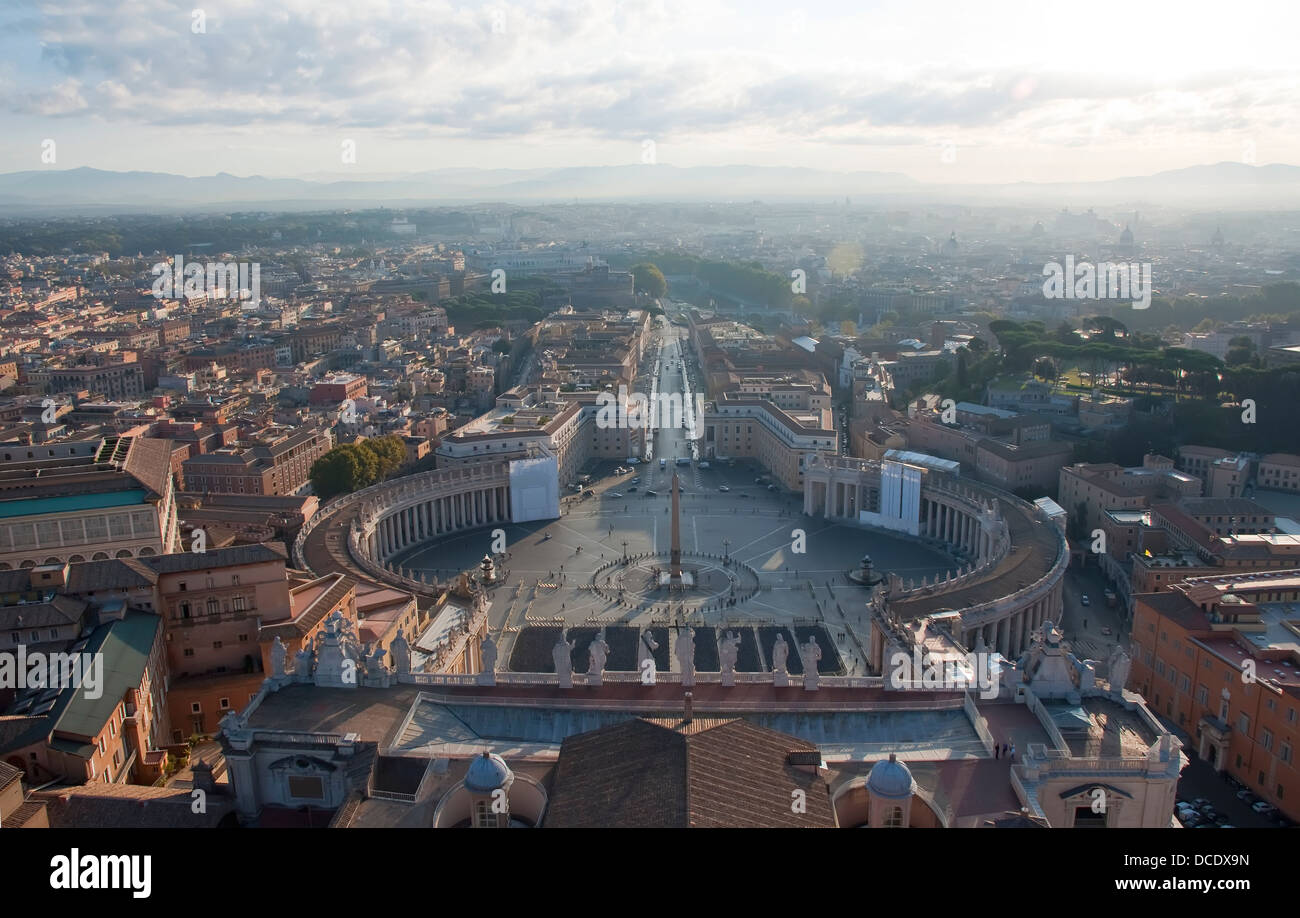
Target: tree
[(1240, 350), (648, 279), (342, 470), (501, 346), (389, 453)]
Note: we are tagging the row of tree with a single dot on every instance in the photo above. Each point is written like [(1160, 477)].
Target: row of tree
[(352, 466)]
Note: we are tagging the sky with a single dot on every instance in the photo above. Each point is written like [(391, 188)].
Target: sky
[(945, 92)]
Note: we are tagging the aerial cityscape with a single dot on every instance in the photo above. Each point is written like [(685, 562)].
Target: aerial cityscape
[(580, 428)]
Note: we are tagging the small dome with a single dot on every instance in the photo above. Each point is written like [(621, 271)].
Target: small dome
[(890, 779), (487, 773)]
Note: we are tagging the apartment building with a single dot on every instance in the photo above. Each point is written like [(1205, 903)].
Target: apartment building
[(277, 462), (1279, 472), (737, 426), (1219, 657)]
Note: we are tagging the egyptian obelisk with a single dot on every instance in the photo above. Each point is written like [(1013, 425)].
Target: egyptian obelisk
[(675, 558)]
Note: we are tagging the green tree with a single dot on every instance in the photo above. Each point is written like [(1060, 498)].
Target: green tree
[(342, 470), (648, 279), (389, 454)]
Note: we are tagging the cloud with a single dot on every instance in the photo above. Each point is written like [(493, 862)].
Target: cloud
[(572, 70)]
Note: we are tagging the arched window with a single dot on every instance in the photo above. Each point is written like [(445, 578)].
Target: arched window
[(124, 553), (76, 559), (99, 556), (53, 561)]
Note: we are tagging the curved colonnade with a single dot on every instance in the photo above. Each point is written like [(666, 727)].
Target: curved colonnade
[(1015, 559), (385, 519)]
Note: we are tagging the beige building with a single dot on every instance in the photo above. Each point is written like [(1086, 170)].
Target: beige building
[(739, 426), (86, 500)]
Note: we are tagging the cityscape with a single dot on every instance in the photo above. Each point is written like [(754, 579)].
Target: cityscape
[(608, 456)]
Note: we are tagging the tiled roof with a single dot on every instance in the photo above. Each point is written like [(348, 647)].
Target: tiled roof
[(304, 622), (220, 557), (134, 806), (60, 610), (663, 772)]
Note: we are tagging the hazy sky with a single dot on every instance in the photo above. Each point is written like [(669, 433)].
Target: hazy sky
[(943, 91)]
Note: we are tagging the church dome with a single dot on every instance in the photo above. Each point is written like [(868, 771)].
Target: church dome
[(890, 779), (487, 773)]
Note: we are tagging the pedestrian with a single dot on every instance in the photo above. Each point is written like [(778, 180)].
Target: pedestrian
[(997, 750), (1012, 754)]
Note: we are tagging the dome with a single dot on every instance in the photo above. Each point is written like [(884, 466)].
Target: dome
[(890, 779), (487, 773)]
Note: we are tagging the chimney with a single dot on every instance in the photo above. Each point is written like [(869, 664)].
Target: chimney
[(690, 708)]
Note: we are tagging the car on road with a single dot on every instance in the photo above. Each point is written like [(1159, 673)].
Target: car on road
[(650, 492), (771, 487), (631, 489), (1105, 632), (1083, 600), (613, 494), (723, 488), (1263, 807)]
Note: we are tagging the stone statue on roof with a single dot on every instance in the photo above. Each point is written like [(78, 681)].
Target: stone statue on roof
[(401, 652), (685, 653), (278, 655)]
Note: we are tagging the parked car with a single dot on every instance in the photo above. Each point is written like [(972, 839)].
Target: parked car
[(1263, 806), (633, 488), (613, 494), (771, 487), (1083, 600), (723, 488), (1105, 632)]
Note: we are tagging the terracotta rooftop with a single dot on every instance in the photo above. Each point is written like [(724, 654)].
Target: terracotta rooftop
[(651, 773)]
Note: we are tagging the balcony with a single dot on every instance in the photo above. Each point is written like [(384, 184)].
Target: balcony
[(212, 618)]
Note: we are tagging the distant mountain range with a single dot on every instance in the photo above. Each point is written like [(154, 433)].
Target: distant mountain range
[(86, 190)]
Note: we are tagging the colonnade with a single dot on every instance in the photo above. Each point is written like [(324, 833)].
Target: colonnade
[(415, 522)]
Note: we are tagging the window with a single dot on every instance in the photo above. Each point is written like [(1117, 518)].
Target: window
[(216, 645), (1243, 724), (894, 820), (306, 787), (224, 703), (189, 652), (1267, 740), (196, 708)]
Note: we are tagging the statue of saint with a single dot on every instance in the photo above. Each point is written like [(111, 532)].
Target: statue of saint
[(685, 652), (728, 651), (488, 652), (562, 653), (810, 654), (598, 651), (278, 654), (304, 659), (780, 653), (646, 648), (401, 652)]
